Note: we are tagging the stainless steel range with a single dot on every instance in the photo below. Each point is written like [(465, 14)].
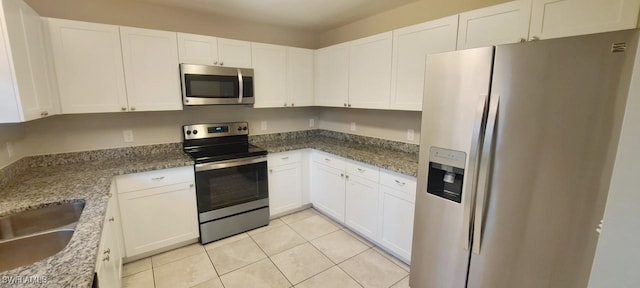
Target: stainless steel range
[(231, 179)]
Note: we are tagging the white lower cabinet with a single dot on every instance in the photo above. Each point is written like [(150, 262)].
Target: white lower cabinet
[(397, 198), (110, 251), (158, 209), (328, 187), (361, 212), (285, 182)]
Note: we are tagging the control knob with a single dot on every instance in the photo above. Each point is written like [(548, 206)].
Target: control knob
[(244, 128), (188, 132), (195, 132)]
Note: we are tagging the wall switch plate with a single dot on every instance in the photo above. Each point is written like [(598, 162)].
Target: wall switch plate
[(411, 134), (127, 135), (263, 125), (10, 149), (312, 122), (353, 126)]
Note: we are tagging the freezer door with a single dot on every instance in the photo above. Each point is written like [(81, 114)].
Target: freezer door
[(556, 132), (456, 90)]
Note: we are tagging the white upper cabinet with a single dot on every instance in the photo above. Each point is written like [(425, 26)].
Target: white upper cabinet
[(151, 69), (499, 24), (370, 71), (88, 61), (332, 76), (299, 77), (561, 18), (26, 89), (234, 53), (411, 45), (270, 73), (198, 49), (207, 50)]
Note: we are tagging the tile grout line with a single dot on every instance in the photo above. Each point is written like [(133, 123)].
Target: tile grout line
[(214, 267), (268, 257), (398, 281)]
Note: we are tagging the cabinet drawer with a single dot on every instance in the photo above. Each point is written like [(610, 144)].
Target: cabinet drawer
[(329, 160), (363, 170), (156, 178), (283, 158), (402, 183)]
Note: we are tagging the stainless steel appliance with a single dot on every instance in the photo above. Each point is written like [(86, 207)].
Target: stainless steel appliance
[(211, 85), (231, 179), (517, 149)]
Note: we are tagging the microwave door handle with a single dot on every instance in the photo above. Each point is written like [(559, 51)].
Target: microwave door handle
[(241, 85)]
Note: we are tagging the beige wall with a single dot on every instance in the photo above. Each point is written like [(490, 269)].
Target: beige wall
[(144, 15), (392, 125), (412, 13), (70, 133), (14, 135)]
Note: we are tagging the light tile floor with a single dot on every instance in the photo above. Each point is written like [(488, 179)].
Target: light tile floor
[(304, 249)]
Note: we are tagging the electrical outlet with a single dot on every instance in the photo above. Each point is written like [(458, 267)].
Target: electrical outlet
[(263, 125), (127, 135), (10, 149), (312, 122), (411, 134), (353, 126)]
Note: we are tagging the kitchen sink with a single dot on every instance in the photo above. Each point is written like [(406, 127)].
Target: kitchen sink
[(24, 251), (39, 220), (33, 235)]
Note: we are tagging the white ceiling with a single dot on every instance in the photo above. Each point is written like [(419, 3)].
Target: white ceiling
[(314, 15)]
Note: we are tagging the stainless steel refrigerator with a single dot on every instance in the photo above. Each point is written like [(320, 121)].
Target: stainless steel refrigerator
[(516, 154)]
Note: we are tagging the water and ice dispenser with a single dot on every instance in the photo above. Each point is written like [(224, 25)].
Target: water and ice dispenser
[(446, 173)]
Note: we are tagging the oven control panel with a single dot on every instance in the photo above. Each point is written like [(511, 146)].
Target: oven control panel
[(203, 131)]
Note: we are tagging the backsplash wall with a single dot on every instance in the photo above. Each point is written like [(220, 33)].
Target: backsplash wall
[(12, 136)]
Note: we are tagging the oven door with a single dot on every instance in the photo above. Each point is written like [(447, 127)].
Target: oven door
[(208, 85), (230, 187)]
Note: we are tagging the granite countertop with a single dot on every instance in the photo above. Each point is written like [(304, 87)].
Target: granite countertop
[(390, 155), (51, 179)]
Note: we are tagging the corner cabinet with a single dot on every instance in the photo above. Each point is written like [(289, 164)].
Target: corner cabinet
[(151, 69), (411, 45), (110, 251), (270, 71), (26, 90), (370, 71), (88, 61), (299, 77), (158, 210), (332, 76)]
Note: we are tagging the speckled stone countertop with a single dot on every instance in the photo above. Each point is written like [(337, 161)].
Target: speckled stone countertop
[(47, 180), (391, 155)]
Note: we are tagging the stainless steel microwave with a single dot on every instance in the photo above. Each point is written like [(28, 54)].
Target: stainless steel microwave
[(213, 85)]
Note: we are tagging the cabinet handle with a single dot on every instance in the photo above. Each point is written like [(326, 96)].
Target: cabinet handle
[(345, 104), (535, 38), (293, 104), (111, 219), (341, 174), (191, 185), (270, 170), (44, 113), (108, 251), (522, 40), (361, 170), (105, 258), (123, 108), (346, 176), (285, 104), (349, 105), (157, 178), (285, 158), (327, 159), (133, 108), (400, 183), (215, 62), (221, 63)]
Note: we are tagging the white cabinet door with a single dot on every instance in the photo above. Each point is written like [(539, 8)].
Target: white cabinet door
[(88, 61), (411, 45), (25, 46), (270, 72), (332, 76), (396, 221), (285, 188), (370, 71), (110, 253), (159, 217), (197, 49), (151, 69), (299, 77), (328, 190), (499, 24), (361, 207), (234, 53), (562, 18)]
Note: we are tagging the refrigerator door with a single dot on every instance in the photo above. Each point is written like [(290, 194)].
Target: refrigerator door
[(456, 90), (556, 133)]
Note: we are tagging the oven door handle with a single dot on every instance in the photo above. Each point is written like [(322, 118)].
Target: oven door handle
[(230, 163)]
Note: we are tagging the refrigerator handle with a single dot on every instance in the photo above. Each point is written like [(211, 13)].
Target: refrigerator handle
[(483, 173), (470, 191)]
